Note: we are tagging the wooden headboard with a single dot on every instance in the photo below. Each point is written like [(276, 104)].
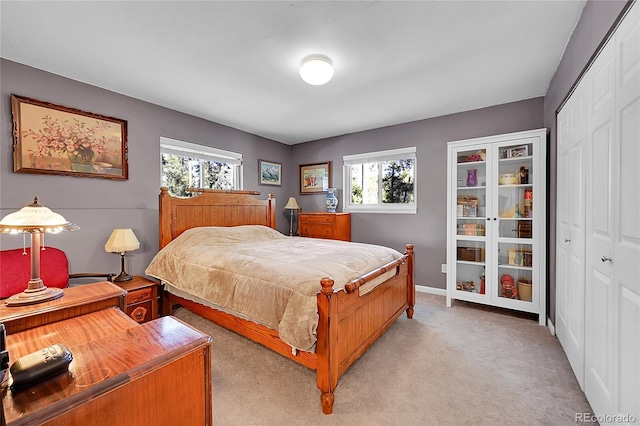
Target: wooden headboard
[(213, 208)]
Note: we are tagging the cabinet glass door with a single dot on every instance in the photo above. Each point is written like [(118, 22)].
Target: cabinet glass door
[(515, 211), (471, 208)]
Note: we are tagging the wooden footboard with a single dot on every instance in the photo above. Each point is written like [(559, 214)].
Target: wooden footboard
[(349, 323)]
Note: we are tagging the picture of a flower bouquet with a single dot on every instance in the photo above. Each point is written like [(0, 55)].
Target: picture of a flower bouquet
[(54, 139), (82, 143)]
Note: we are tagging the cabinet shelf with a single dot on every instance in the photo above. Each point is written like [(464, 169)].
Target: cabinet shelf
[(515, 185), (471, 163), (521, 241), (516, 159), (522, 268), (469, 262), (461, 237), (471, 187)]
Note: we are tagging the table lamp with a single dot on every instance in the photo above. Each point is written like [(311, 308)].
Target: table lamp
[(35, 219), (122, 241), (292, 205)]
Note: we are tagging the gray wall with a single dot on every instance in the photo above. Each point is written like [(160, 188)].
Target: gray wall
[(97, 205), (426, 230), (596, 21)]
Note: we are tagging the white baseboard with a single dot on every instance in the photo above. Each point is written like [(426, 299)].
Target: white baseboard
[(431, 290), (551, 327)]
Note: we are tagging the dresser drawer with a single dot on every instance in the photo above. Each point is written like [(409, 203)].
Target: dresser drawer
[(137, 296), (315, 230), (312, 218), (141, 312)]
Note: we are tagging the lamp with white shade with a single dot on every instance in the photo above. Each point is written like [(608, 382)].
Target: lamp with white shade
[(35, 219), (122, 241), (292, 205)]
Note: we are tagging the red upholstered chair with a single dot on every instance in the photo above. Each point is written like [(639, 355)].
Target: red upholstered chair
[(15, 270)]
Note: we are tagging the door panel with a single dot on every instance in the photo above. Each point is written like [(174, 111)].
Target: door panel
[(626, 249), (599, 310), (570, 251)]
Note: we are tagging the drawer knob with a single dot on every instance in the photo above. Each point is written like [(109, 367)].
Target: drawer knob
[(139, 313)]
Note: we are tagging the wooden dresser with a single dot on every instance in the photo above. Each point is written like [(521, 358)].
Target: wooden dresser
[(122, 373), (333, 226)]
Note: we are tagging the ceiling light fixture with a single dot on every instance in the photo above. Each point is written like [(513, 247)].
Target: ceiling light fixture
[(316, 69)]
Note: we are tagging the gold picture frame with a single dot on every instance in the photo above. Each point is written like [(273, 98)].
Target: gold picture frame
[(58, 140), (315, 178)]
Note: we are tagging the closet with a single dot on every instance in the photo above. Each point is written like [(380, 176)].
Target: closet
[(598, 227)]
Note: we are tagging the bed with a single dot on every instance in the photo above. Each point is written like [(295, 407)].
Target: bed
[(350, 315)]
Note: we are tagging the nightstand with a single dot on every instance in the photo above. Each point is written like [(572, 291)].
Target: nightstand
[(141, 301), (333, 226)]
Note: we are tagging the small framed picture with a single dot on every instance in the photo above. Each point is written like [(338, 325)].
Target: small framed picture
[(315, 178), (270, 173), (519, 151)]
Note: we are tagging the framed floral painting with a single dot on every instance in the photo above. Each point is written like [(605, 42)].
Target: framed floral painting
[(53, 139)]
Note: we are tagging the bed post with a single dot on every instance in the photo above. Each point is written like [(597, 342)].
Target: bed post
[(327, 367), (165, 217), (271, 213), (411, 288)]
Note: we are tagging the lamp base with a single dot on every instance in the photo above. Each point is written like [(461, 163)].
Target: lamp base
[(31, 297), (123, 277)]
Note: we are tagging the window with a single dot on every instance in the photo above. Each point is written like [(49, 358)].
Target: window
[(187, 165), (381, 182)]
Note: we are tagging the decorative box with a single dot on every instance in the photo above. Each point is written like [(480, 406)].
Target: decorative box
[(469, 206), (471, 229), (524, 229), (507, 179), (520, 257), (471, 254)]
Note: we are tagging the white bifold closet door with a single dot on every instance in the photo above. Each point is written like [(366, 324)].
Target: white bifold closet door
[(570, 233), (609, 96)]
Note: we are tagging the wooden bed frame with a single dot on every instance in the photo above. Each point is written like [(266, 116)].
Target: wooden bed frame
[(348, 323)]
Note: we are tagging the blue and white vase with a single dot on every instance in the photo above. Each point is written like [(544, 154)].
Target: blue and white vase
[(332, 200)]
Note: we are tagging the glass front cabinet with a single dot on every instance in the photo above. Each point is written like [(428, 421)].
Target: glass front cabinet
[(496, 213)]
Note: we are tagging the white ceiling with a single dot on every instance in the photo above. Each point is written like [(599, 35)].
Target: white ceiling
[(236, 62)]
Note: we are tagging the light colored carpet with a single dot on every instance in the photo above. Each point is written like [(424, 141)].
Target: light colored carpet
[(465, 365)]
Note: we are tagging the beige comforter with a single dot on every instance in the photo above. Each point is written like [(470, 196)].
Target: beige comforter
[(256, 272)]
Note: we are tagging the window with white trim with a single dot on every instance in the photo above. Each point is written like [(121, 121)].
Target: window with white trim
[(188, 165), (380, 182)]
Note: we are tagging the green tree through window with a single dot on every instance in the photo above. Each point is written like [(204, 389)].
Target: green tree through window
[(397, 183), (186, 165)]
